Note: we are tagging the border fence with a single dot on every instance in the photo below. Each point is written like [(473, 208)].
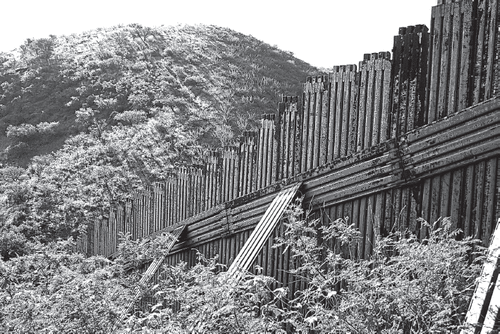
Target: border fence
[(389, 143)]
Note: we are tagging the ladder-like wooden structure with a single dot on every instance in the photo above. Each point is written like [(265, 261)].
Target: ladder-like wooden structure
[(150, 272), (261, 233)]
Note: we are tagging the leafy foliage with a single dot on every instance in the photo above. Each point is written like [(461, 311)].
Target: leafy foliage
[(53, 290), (61, 193), (29, 131), (202, 300), (406, 286)]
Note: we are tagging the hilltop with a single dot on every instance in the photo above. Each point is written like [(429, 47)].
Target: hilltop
[(211, 82)]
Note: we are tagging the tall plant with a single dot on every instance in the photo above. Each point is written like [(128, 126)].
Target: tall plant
[(406, 286)]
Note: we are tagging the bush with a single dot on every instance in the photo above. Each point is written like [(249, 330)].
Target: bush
[(53, 290), (27, 132), (21, 132), (407, 286), (201, 300)]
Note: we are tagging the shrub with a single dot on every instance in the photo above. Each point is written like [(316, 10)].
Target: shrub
[(407, 286), (199, 300), (53, 290), (22, 131), (27, 132)]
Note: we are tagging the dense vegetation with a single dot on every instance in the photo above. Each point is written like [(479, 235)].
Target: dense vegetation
[(407, 286)]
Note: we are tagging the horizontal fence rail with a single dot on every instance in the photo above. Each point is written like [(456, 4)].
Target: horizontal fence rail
[(388, 143)]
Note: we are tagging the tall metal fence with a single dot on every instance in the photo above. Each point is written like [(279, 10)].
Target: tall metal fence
[(388, 143)]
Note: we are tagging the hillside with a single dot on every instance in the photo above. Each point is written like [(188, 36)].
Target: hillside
[(212, 82), (87, 119)]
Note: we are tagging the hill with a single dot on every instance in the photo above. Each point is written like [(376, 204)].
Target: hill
[(87, 119), (213, 82)]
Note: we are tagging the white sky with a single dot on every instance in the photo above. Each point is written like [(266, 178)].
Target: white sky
[(323, 33)]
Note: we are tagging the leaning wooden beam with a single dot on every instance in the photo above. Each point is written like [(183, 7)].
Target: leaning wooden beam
[(481, 316), (493, 312), (152, 269), (261, 233)]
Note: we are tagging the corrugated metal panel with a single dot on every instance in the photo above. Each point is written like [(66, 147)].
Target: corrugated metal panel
[(487, 289), (261, 232), (152, 269)]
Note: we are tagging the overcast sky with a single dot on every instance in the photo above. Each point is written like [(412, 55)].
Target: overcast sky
[(323, 33)]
